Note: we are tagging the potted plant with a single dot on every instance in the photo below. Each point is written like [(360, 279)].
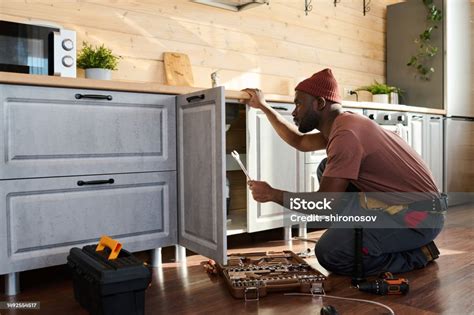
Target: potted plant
[(98, 61), (380, 92)]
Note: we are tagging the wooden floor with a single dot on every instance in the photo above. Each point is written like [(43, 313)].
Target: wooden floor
[(443, 287)]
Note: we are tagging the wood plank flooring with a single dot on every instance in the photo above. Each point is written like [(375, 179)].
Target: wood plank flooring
[(443, 287)]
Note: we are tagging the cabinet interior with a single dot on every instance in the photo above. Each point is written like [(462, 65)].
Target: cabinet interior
[(236, 139)]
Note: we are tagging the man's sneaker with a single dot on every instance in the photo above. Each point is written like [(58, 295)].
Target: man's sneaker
[(431, 251)]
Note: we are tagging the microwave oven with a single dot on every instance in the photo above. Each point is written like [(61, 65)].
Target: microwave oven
[(35, 49)]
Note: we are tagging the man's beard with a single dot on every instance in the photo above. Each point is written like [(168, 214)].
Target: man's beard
[(309, 122)]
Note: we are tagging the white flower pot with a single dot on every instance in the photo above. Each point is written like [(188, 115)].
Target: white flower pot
[(99, 74), (380, 98)]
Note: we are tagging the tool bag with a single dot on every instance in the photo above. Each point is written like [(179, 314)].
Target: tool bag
[(108, 280)]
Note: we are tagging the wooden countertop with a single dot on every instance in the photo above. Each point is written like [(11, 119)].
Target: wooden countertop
[(42, 80)]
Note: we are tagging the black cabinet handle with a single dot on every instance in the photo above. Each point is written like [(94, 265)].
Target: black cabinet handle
[(96, 182), (94, 96), (195, 98), (435, 118), (279, 108)]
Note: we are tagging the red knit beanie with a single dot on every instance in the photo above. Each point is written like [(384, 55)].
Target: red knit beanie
[(321, 84)]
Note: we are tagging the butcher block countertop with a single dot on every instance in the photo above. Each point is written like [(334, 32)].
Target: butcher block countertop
[(42, 80)]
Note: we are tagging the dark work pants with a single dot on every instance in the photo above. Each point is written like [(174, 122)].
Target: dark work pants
[(389, 249)]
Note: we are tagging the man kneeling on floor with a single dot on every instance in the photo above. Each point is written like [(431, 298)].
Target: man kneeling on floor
[(361, 157)]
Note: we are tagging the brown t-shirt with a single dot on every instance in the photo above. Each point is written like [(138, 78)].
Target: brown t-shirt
[(376, 160)]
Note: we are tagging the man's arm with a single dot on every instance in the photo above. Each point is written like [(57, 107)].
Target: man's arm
[(285, 129)]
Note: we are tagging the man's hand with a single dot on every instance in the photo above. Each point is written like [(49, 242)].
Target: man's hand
[(262, 192), (257, 99)]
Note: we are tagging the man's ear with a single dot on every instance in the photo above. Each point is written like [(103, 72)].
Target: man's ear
[(319, 103)]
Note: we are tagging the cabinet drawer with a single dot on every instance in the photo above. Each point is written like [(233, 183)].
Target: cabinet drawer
[(43, 218), (59, 132)]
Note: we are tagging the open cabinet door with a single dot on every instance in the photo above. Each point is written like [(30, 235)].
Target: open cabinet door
[(201, 173), (270, 159)]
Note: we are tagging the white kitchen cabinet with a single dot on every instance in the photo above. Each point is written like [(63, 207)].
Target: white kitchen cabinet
[(426, 138), (434, 147), (273, 160), (311, 177), (267, 158), (417, 134)]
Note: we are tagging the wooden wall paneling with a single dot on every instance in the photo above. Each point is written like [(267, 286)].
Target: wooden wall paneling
[(151, 47), (258, 20), (377, 7), (282, 48), (272, 47), (321, 22), (285, 31), (340, 13), (111, 22)]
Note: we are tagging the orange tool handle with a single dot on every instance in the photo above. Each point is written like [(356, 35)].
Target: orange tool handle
[(112, 244)]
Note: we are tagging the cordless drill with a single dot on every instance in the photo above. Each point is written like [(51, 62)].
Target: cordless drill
[(386, 285)]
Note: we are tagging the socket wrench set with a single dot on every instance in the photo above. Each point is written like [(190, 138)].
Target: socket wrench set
[(250, 276)]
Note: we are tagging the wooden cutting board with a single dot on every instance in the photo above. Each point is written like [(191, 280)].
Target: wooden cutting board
[(178, 69)]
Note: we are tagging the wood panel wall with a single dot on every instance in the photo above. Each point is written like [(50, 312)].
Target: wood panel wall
[(272, 47)]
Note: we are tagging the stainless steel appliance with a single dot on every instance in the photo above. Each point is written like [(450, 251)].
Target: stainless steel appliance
[(35, 49), (450, 86), (391, 120), (459, 122)]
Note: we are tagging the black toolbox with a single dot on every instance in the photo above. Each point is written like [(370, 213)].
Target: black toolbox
[(104, 286)]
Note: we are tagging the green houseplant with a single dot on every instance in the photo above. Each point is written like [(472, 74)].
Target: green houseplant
[(98, 61), (421, 61), (381, 92)]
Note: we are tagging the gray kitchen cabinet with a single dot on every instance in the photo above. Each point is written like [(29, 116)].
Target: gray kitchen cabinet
[(201, 173), (66, 132), (43, 218), (102, 162)]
